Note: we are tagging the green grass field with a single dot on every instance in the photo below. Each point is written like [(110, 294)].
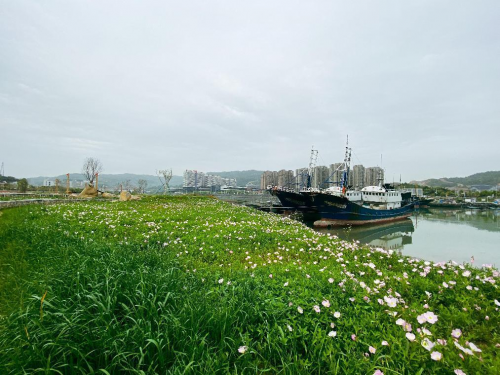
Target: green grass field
[(193, 285)]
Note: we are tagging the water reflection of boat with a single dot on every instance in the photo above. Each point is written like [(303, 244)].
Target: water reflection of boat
[(388, 236)]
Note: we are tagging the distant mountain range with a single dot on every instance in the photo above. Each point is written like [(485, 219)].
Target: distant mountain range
[(485, 178)]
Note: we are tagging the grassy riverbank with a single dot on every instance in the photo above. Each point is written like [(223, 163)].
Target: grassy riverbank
[(193, 285)]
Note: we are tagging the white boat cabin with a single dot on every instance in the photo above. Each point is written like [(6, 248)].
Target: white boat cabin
[(378, 196)]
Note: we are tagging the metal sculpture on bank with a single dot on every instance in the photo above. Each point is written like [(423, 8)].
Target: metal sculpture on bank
[(167, 176)]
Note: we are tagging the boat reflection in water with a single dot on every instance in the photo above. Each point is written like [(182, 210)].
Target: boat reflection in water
[(439, 235), (391, 236)]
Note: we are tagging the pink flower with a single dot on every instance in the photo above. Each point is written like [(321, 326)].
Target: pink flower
[(332, 334), (385, 343), (474, 348), (326, 303), (459, 372), (465, 350), (316, 308), (431, 317), (336, 314), (271, 276), (391, 302), (436, 356), (410, 336), (427, 344), (426, 332), (421, 319), (400, 322), (378, 372), (456, 333), (242, 349), (330, 280), (353, 337), (372, 349), (300, 310)]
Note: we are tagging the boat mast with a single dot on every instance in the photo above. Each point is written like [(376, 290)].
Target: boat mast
[(347, 164), (312, 165)]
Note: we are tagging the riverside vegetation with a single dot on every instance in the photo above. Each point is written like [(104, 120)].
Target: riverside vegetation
[(195, 285)]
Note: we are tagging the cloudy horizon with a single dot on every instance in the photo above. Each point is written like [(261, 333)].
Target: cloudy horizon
[(230, 85)]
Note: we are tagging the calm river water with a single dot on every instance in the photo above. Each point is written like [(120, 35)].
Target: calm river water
[(437, 235)]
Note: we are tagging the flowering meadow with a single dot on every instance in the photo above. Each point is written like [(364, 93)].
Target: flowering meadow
[(194, 285)]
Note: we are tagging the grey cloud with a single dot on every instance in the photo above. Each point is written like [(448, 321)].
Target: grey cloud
[(225, 85)]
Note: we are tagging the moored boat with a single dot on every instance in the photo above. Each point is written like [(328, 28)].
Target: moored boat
[(377, 206), (339, 206)]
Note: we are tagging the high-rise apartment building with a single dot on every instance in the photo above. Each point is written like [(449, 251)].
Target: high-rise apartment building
[(286, 178), (358, 174), (195, 180), (320, 177), (373, 176), (335, 174), (301, 178), (268, 178)]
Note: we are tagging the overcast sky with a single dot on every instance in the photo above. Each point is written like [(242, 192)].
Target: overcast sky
[(236, 85)]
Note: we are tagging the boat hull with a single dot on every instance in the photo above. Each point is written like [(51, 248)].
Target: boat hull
[(297, 201), (293, 200), (339, 211)]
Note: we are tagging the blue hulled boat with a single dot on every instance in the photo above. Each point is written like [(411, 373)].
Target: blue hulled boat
[(338, 205), (377, 205)]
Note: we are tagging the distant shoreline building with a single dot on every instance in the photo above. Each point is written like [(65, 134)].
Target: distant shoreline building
[(194, 180)]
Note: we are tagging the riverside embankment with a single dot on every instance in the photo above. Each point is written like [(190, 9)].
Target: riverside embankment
[(196, 285)]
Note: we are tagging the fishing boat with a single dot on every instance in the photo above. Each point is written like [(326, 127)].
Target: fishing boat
[(340, 206), (377, 205)]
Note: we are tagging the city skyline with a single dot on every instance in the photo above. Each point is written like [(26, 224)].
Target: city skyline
[(322, 177)]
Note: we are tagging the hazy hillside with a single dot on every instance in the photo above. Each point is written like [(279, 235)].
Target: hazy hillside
[(8, 179), (242, 177), (484, 178)]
